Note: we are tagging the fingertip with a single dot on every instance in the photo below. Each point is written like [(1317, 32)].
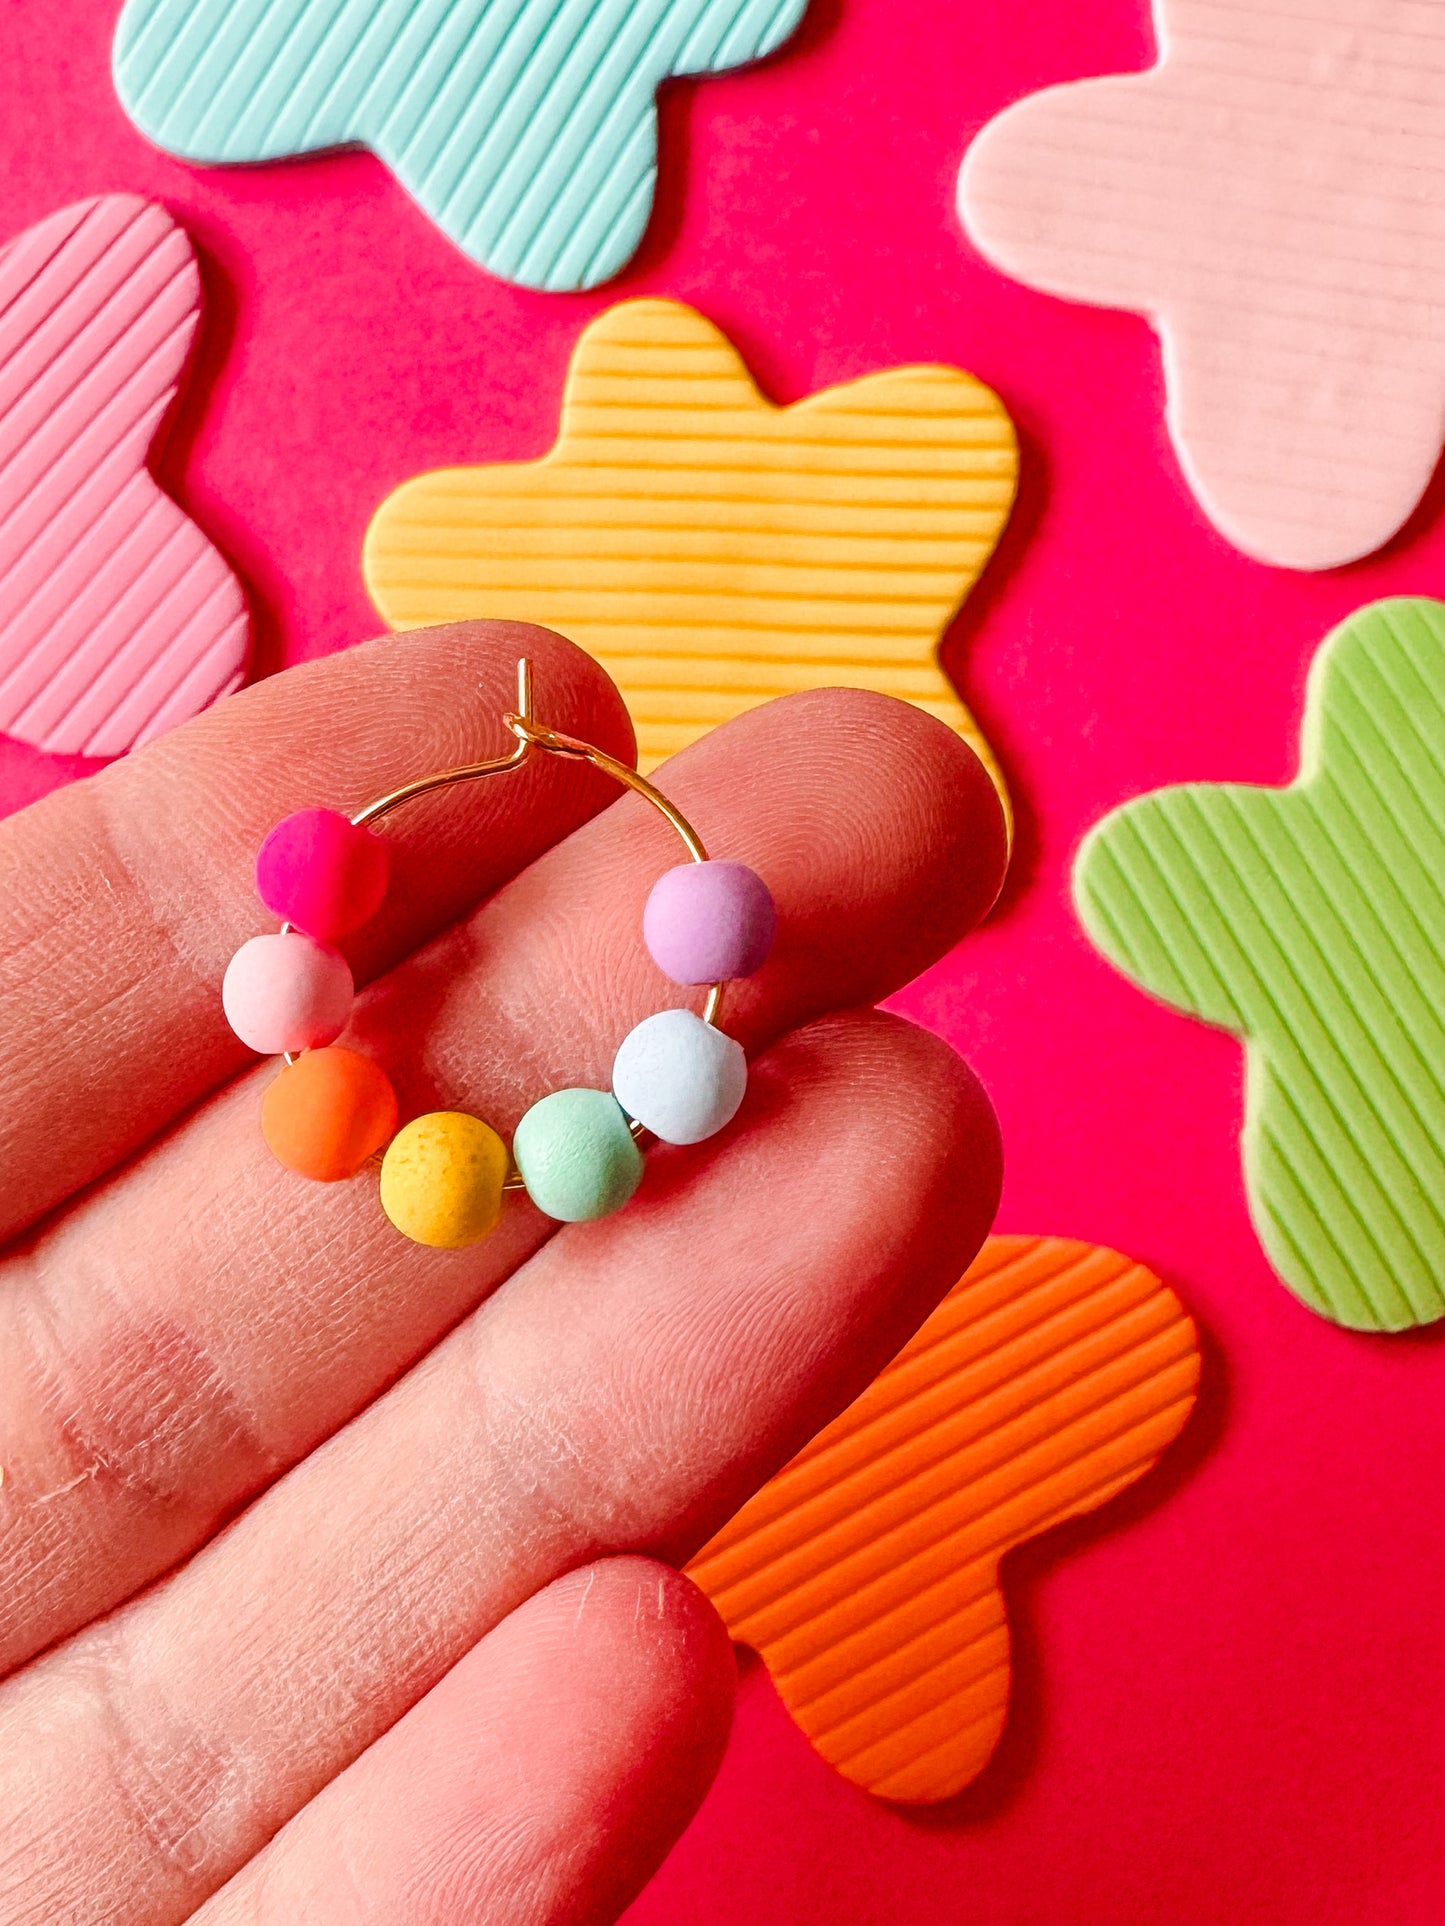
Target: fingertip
[(657, 1730), (638, 1616), (934, 1145), (884, 838), (947, 800), (570, 687), (851, 1193), (385, 685), (617, 1682), (950, 800), (972, 1147), (540, 1782)]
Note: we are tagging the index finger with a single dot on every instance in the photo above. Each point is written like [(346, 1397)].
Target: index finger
[(123, 897)]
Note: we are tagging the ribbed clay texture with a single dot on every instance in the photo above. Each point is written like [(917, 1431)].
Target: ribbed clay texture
[(710, 549), (1271, 195), (118, 618), (1311, 922), (526, 129), (866, 1574)]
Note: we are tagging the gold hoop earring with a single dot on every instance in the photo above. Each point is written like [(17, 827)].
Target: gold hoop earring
[(678, 1076)]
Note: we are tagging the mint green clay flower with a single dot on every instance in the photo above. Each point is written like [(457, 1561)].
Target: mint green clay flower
[(526, 129)]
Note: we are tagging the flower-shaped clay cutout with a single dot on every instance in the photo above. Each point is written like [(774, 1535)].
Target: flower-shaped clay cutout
[(526, 129), (117, 617), (1311, 921), (1272, 196), (866, 1574), (710, 549)]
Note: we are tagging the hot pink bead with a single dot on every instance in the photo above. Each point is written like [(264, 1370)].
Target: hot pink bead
[(709, 922), (319, 871), (287, 993)]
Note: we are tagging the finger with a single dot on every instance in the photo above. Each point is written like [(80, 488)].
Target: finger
[(139, 1403), (122, 898), (543, 1779), (625, 1390)]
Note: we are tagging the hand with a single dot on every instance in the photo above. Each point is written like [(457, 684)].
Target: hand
[(337, 1575)]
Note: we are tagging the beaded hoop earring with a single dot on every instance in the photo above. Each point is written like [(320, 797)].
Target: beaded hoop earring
[(677, 1077)]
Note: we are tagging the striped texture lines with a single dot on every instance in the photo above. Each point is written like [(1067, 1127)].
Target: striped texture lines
[(117, 617), (710, 549), (1311, 921), (526, 129), (1272, 195), (866, 1574)]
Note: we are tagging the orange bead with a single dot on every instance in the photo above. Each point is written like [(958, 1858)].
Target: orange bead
[(327, 1113)]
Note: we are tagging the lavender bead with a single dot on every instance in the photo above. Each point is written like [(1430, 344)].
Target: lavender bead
[(709, 922)]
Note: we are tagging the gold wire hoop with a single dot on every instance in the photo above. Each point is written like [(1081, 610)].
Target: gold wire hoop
[(537, 737)]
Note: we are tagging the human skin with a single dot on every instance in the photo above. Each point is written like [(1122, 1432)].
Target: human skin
[(338, 1576)]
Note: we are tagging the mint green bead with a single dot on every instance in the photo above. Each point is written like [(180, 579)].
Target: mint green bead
[(577, 1156)]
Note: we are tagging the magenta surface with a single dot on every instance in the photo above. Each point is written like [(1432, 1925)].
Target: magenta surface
[(317, 870), (709, 922), (1229, 1703)]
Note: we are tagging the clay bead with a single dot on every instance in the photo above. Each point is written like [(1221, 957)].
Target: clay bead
[(327, 1113), (709, 922), (317, 870), (286, 993), (679, 1077), (577, 1156), (442, 1178)]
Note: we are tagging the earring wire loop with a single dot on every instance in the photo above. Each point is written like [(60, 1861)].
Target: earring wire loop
[(468, 772), (537, 737), (534, 735)]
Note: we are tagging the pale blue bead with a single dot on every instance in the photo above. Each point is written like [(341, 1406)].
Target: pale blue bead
[(577, 1156), (526, 129), (681, 1079)]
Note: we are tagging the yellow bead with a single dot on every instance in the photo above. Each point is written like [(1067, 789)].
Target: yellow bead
[(442, 1178)]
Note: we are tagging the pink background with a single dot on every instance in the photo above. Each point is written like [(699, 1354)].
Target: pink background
[(1229, 1701)]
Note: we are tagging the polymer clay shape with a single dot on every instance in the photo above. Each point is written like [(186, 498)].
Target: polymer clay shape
[(866, 1574), (118, 619), (526, 129), (710, 549), (1311, 922), (1272, 196)]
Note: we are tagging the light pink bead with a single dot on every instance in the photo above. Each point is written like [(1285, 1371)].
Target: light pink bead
[(287, 993)]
